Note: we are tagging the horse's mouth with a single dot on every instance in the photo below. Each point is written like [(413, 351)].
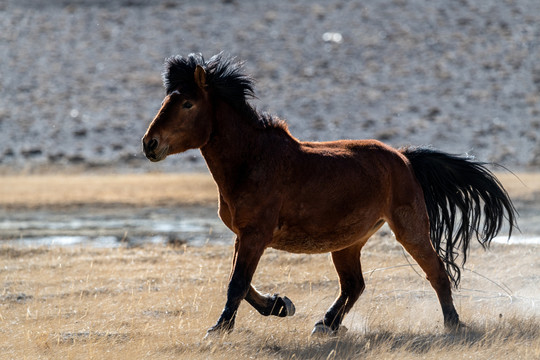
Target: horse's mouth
[(156, 156)]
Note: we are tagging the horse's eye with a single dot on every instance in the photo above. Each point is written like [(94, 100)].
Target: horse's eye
[(187, 105)]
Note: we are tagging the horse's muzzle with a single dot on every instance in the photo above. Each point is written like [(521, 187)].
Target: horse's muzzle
[(150, 150)]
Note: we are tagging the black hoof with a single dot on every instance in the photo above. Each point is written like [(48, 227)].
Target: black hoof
[(283, 307), (220, 329)]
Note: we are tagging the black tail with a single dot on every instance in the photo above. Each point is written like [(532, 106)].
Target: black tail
[(455, 184)]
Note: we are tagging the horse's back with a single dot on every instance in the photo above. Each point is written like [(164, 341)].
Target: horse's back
[(361, 163)]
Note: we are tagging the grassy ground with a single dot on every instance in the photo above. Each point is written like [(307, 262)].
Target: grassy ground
[(30, 191), (157, 302)]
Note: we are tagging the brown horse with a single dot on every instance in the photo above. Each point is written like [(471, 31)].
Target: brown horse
[(316, 197)]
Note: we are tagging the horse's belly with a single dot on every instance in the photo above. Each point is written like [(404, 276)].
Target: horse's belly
[(297, 240)]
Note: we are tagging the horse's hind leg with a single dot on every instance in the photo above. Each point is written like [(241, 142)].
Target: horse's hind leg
[(270, 304), (351, 282), (411, 227)]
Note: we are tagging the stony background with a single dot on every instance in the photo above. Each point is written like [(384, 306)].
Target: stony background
[(80, 80)]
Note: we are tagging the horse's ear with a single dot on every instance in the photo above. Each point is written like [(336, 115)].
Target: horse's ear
[(200, 77)]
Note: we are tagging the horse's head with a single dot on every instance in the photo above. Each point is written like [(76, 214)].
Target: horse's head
[(184, 119)]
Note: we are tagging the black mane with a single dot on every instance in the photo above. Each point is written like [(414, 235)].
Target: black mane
[(224, 76)]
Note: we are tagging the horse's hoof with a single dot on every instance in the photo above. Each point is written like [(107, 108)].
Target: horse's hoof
[(451, 321), (283, 306), (455, 326), (215, 334), (210, 335), (218, 331), (322, 330), (289, 306)]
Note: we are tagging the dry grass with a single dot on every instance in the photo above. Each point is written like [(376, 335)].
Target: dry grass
[(522, 186), (63, 190), (30, 191), (157, 302)]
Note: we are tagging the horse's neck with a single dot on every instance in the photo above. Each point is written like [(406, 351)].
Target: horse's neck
[(233, 143)]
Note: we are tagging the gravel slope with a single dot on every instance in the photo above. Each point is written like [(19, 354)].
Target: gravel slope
[(80, 80)]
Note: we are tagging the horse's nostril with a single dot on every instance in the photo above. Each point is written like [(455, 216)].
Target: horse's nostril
[(152, 144)]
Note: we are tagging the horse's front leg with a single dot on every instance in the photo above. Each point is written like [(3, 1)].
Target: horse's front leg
[(249, 248)]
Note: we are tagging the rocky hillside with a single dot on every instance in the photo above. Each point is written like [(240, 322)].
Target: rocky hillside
[(80, 80)]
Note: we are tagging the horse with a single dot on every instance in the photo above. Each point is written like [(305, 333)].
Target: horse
[(276, 191)]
